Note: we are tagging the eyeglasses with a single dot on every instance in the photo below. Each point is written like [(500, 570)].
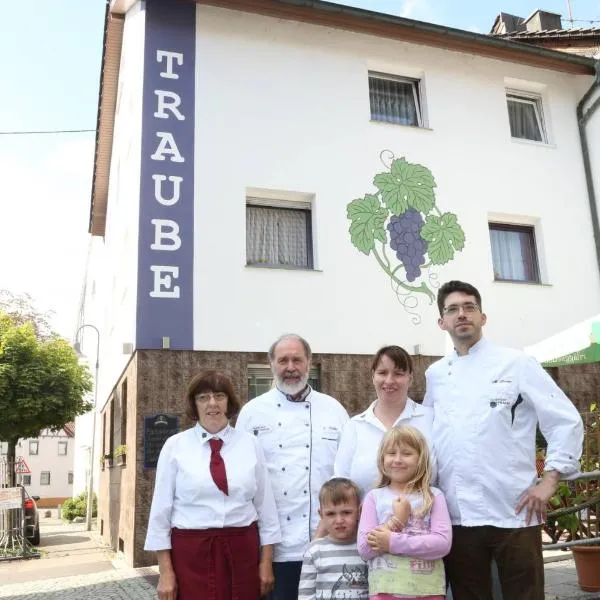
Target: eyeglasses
[(454, 309), (206, 396)]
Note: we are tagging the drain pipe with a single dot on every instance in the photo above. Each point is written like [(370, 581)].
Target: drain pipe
[(582, 120)]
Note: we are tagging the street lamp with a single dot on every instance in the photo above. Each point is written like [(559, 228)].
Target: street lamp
[(90, 483)]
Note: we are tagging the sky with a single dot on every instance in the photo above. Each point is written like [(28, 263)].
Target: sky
[(50, 54)]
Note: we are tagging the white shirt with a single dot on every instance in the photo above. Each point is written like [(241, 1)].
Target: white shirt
[(186, 497), (487, 404), (299, 440), (357, 455)]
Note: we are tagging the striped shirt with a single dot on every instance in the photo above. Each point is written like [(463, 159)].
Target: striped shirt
[(333, 570)]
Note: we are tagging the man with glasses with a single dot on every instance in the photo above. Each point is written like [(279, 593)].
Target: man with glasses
[(488, 400)]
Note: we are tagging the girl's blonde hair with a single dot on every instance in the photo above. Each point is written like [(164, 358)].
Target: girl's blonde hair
[(414, 439)]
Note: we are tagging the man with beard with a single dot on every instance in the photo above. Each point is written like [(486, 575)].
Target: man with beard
[(487, 401), (299, 431)]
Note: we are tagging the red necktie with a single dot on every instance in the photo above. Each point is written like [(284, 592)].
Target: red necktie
[(217, 466)]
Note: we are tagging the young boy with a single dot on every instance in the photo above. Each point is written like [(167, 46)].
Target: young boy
[(332, 567)]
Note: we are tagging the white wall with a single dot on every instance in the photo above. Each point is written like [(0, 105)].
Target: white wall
[(285, 106), (116, 269)]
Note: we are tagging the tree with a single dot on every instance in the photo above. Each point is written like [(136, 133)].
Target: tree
[(42, 384)]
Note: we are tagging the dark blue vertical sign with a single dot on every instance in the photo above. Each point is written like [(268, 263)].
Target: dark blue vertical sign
[(166, 235)]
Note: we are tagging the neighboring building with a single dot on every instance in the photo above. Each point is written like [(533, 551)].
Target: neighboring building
[(545, 29), (49, 460), (248, 179)]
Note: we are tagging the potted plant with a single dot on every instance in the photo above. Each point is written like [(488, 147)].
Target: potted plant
[(581, 497), (120, 454), (108, 460)]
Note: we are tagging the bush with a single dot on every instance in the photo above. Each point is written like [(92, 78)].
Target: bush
[(76, 507)]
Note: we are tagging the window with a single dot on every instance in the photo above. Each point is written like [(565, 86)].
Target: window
[(26, 479), (260, 379), (62, 448), (3, 447), (34, 446), (124, 412), (278, 234), (514, 253), (70, 478), (395, 100), (526, 116), (45, 478)]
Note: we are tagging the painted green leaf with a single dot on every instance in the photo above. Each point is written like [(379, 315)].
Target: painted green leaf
[(368, 217), (444, 236), (406, 185)]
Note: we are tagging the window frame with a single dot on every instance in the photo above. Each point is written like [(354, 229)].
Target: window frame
[(65, 445), (417, 91), (26, 479), (518, 228), (70, 477), (537, 102), (301, 206), (42, 482), (33, 443)]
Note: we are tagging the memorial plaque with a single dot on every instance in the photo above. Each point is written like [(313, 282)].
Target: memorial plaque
[(157, 430)]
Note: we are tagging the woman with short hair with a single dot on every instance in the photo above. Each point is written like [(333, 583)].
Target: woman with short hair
[(213, 520), (392, 375)]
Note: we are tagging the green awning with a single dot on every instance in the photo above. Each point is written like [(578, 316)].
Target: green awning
[(587, 355)]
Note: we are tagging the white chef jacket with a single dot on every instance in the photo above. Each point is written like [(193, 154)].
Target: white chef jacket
[(186, 497), (356, 457), (299, 440), (487, 404)]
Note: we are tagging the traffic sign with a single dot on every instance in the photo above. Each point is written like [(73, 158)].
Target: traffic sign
[(22, 467)]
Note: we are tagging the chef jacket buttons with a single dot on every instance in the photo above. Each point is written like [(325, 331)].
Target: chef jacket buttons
[(308, 445), (278, 405), (306, 468), (281, 445), (305, 492), (203, 435), (306, 406), (283, 468), (289, 519), (285, 493), (279, 424)]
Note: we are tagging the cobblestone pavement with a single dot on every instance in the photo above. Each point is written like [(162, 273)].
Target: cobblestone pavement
[(118, 584)]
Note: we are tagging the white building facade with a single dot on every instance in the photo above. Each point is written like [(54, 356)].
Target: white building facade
[(46, 465), (265, 167)]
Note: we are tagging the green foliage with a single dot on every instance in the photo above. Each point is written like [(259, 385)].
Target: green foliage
[(120, 450), (77, 507), (406, 185), (444, 235), (368, 219), (42, 384)]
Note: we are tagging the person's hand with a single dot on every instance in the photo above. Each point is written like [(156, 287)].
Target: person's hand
[(167, 586), (402, 510), (265, 575), (379, 539), (535, 499)]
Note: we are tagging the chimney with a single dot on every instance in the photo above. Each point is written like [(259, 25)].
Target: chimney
[(542, 20)]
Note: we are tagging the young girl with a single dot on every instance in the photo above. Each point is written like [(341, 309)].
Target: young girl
[(404, 528)]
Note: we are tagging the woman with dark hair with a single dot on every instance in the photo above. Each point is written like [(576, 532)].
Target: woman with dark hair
[(392, 373), (213, 520)]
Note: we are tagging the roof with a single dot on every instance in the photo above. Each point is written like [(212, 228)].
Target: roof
[(575, 33), (316, 12)]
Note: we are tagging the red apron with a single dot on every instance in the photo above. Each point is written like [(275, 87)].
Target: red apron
[(216, 564)]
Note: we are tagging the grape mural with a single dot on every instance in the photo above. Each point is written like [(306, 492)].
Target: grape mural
[(402, 216)]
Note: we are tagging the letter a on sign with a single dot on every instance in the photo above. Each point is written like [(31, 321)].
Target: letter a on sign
[(22, 467)]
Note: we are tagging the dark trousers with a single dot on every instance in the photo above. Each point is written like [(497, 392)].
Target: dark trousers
[(517, 552), (287, 579)]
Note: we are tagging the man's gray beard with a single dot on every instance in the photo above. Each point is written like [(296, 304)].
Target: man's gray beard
[(291, 388)]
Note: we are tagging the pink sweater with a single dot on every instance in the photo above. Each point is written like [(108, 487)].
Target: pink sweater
[(429, 546)]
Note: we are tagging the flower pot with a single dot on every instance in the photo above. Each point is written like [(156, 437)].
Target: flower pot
[(122, 460), (587, 564)]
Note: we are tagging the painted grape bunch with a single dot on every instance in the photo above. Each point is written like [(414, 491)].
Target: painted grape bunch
[(420, 235)]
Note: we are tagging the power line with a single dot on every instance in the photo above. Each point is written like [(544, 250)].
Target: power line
[(47, 131)]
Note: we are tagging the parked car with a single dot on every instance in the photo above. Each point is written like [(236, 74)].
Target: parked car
[(32, 518)]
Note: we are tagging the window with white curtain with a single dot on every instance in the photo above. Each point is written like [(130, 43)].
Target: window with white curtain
[(34, 446), (278, 234), (45, 478), (514, 253), (395, 99), (526, 116)]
